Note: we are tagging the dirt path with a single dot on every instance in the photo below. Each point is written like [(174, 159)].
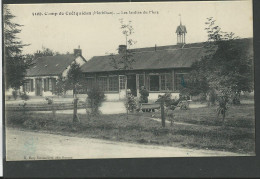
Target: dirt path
[(25, 145)]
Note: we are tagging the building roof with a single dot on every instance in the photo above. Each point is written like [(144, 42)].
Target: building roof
[(181, 29), (161, 57), (50, 65)]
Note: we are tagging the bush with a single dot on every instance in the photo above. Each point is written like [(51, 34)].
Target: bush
[(168, 101), (15, 94), (49, 100), (131, 103), (24, 96), (95, 99)]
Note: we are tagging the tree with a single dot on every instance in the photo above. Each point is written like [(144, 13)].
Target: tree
[(226, 67), (60, 86), (44, 52), (71, 83), (73, 79), (15, 64), (124, 61)]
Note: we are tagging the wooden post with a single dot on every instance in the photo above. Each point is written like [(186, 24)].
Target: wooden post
[(162, 114), (75, 115)]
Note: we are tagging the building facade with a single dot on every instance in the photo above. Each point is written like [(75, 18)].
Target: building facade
[(42, 77)]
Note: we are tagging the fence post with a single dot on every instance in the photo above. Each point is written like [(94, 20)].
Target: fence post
[(162, 114), (75, 115)]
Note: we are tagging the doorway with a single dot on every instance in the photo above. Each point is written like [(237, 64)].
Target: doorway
[(131, 84), (38, 90)]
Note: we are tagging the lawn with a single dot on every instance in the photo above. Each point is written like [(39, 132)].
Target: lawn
[(237, 135), (237, 116)]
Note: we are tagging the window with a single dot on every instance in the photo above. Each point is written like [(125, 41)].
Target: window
[(28, 85), (113, 83), (180, 80), (49, 84), (160, 82), (154, 82), (102, 83), (90, 81), (53, 81), (122, 80), (166, 83)]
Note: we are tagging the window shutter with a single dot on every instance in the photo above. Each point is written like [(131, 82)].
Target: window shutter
[(53, 85)]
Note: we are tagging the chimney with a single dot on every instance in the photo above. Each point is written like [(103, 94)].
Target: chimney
[(121, 49), (37, 54), (78, 52)]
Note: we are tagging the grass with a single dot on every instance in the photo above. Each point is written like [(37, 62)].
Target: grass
[(236, 136), (241, 116)]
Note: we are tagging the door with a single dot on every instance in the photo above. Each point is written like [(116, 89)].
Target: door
[(38, 90), (131, 84)]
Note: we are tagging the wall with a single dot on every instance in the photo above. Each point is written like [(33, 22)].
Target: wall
[(44, 93)]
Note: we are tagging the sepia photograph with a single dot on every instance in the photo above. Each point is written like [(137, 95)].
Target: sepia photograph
[(128, 80)]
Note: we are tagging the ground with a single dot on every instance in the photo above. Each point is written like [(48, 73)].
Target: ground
[(196, 128), (25, 145)]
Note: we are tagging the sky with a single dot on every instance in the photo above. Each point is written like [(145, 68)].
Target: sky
[(58, 27)]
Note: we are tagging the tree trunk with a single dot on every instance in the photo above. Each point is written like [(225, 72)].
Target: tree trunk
[(75, 114), (162, 114)]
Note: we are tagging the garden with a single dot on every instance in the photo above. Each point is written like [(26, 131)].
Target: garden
[(197, 128)]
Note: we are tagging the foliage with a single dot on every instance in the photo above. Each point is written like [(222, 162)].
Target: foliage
[(44, 52), (60, 86), (24, 96), (95, 99), (15, 94), (167, 100), (73, 78), (227, 63), (49, 100), (126, 59), (131, 103), (15, 64), (184, 105)]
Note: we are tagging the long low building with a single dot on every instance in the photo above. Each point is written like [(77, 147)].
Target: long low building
[(159, 69)]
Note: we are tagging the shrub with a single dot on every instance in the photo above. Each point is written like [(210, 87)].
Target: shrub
[(60, 87), (131, 103), (24, 96), (95, 99), (15, 94), (168, 101), (184, 105), (49, 100)]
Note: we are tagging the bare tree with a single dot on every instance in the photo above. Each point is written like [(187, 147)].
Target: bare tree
[(123, 62)]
